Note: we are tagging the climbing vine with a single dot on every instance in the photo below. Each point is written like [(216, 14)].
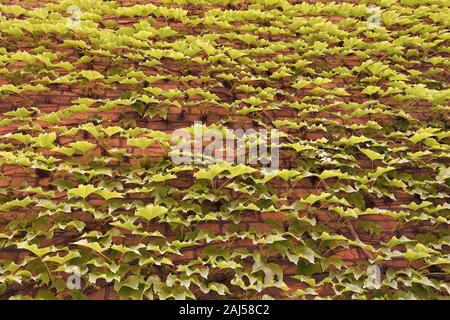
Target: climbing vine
[(90, 92)]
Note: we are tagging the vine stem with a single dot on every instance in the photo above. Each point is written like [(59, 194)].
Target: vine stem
[(355, 234)]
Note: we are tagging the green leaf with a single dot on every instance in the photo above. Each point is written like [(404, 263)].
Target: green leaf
[(19, 113), (82, 146), (326, 174), (141, 143), (369, 90), (46, 139), (106, 194), (24, 138), (91, 245), (9, 87), (161, 177), (151, 211), (110, 131), (40, 252), (235, 54), (372, 155), (211, 172), (301, 84), (422, 134), (311, 199), (50, 118), (83, 191), (64, 259), (91, 75), (16, 203), (239, 170), (353, 140), (132, 282)]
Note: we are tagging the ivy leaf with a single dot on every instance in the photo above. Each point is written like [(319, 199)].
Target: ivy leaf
[(110, 131), (91, 245), (50, 118), (82, 146), (369, 90), (353, 140), (414, 206), (443, 175), (312, 198), (9, 87), (91, 75), (83, 191), (301, 63), (161, 177), (326, 174), (24, 138), (394, 241), (422, 134), (132, 282), (372, 155), (250, 206), (40, 252), (235, 54), (301, 84), (46, 139), (106, 194), (16, 203), (411, 255), (380, 171), (165, 32), (141, 143), (239, 170), (151, 211), (62, 260), (210, 173), (19, 113), (93, 130)]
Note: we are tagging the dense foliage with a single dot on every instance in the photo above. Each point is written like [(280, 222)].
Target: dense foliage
[(88, 99)]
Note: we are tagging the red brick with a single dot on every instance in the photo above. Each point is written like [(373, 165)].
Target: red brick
[(261, 227), (279, 216)]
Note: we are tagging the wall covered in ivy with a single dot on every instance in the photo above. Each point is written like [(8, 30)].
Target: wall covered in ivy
[(92, 204)]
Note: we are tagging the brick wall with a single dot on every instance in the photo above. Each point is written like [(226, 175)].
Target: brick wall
[(61, 96)]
